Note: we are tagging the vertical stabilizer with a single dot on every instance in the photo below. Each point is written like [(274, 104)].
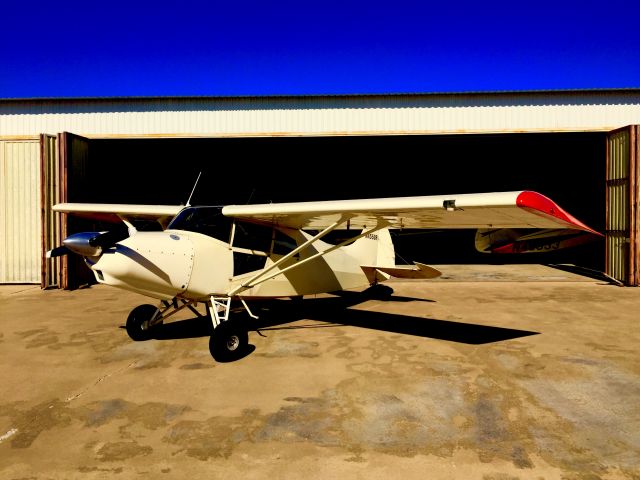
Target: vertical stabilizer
[(374, 249)]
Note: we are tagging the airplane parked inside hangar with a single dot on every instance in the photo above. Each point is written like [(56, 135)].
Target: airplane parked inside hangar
[(228, 256)]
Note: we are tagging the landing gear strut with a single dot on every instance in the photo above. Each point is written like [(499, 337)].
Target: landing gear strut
[(141, 322), (144, 318), (229, 339)]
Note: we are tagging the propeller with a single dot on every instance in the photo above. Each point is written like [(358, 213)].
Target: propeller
[(88, 244)]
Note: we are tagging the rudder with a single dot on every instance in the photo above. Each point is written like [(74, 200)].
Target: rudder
[(375, 249)]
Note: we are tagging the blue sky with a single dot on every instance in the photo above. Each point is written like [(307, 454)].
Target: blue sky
[(121, 48)]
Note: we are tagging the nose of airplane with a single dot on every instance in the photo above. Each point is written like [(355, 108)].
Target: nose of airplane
[(91, 244), (157, 264), (84, 244)]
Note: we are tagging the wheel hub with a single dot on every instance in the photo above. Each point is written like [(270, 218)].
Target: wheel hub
[(233, 343)]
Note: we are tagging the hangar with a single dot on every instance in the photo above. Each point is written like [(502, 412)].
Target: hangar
[(580, 147)]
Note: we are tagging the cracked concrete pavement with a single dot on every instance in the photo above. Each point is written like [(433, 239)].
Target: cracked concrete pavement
[(530, 373)]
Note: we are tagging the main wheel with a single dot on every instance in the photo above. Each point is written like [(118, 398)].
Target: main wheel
[(228, 341), (138, 326), (378, 292)]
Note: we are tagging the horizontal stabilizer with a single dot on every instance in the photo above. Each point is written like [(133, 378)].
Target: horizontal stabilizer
[(418, 270)]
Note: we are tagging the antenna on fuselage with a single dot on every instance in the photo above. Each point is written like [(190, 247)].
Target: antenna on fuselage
[(194, 189)]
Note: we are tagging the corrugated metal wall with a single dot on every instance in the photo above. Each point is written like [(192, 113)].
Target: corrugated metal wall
[(634, 207), (622, 206), (325, 115), (633, 277), (20, 225), (50, 195)]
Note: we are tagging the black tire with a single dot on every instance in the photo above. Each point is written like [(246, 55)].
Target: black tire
[(378, 292), (228, 341), (137, 322)]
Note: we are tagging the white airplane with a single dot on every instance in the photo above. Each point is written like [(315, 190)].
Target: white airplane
[(517, 241), (240, 253)]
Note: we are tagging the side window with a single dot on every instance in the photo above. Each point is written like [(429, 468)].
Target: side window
[(244, 263), (283, 244), (206, 220), (253, 236)]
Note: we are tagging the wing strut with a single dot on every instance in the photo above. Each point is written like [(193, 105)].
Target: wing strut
[(249, 283), (260, 277)]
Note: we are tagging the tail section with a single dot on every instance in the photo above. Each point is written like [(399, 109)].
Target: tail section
[(416, 271), (377, 258), (374, 249)]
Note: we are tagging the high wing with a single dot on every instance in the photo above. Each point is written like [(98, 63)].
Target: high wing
[(121, 212), (523, 209)]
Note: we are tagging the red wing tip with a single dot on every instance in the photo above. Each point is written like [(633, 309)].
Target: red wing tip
[(543, 205)]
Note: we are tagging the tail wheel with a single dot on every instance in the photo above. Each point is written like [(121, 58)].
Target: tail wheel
[(138, 322), (229, 341)]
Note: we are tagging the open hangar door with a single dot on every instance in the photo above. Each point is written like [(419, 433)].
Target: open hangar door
[(623, 205), (568, 167)]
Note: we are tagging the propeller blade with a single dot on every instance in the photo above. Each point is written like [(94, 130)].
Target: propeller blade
[(108, 239), (58, 252)]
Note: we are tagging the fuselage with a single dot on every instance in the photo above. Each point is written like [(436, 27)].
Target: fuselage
[(193, 265)]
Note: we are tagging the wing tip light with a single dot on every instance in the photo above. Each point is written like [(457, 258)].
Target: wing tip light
[(541, 205)]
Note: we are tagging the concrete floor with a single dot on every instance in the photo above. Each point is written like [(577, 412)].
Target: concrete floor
[(531, 373)]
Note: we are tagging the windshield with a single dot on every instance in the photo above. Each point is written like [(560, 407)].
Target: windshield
[(206, 220)]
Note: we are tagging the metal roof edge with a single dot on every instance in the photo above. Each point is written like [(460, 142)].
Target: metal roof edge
[(630, 90)]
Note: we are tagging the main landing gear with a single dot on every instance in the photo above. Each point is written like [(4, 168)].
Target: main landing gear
[(228, 341), (229, 338)]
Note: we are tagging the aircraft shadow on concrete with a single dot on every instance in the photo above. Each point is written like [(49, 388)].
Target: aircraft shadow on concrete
[(335, 311), (425, 327), (585, 272)]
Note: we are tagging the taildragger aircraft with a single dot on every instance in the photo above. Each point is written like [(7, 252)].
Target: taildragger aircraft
[(230, 256), (517, 241)]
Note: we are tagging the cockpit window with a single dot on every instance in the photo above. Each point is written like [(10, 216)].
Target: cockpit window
[(206, 220), (253, 236)]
